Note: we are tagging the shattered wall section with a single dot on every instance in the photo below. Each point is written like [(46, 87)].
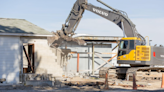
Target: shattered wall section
[(47, 59)]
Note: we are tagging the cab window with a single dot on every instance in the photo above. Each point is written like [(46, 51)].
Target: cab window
[(131, 44), (120, 53), (123, 45)]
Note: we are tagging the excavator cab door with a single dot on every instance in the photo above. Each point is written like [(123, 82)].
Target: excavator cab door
[(126, 50), (123, 50)]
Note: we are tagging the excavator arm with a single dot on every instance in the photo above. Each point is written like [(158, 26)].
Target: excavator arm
[(118, 17)]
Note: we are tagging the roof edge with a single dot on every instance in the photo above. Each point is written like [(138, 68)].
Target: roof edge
[(99, 38)]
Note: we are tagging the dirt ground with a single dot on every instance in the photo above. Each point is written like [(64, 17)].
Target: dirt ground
[(72, 89), (114, 86)]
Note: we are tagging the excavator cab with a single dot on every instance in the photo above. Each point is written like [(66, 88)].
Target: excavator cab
[(127, 49)]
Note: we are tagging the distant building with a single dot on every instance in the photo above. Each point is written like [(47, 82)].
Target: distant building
[(102, 46)]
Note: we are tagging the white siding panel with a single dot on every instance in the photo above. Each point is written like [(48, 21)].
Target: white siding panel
[(10, 58)]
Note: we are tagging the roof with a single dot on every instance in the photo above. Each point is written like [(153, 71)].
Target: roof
[(21, 26), (78, 35)]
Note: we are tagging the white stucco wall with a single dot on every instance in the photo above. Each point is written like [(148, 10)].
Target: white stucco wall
[(10, 58), (45, 58)]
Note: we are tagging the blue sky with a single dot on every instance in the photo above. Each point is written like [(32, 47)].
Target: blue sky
[(148, 15)]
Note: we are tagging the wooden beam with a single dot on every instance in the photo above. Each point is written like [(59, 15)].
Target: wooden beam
[(116, 46), (103, 59), (105, 53), (105, 62), (28, 59), (112, 58), (93, 61), (91, 53), (77, 62)]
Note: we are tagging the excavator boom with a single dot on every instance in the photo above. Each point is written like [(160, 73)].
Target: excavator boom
[(116, 16)]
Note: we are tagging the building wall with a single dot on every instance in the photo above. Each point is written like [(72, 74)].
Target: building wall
[(114, 60), (85, 60), (10, 58), (46, 58)]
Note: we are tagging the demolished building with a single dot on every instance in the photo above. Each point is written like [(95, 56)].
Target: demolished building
[(16, 33)]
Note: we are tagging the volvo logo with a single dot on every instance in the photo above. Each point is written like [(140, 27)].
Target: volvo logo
[(100, 12)]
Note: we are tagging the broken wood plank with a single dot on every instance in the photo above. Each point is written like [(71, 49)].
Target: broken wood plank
[(28, 59)]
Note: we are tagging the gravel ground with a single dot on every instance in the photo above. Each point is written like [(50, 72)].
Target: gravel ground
[(73, 89), (119, 86)]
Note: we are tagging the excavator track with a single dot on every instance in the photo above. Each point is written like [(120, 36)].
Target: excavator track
[(145, 73), (141, 73), (113, 72)]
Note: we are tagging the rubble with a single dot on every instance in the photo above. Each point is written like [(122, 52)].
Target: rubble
[(72, 75)]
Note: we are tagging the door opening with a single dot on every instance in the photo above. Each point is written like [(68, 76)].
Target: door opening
[(28, 58)]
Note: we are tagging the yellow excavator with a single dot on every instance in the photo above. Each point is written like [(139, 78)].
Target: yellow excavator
[(132, 49)]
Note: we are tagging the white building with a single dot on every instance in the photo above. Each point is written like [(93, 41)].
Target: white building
[(16, 33)]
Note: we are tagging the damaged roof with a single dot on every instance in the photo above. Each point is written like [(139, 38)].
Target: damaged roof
[(9, 25)]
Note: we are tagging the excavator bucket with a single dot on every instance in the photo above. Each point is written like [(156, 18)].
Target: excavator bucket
[(57, 40)]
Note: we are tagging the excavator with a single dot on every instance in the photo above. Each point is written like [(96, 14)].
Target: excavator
[(133, 49)]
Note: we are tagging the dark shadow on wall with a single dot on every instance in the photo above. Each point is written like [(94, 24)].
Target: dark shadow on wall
[(9, 29), (34, 62), (37, 61)]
